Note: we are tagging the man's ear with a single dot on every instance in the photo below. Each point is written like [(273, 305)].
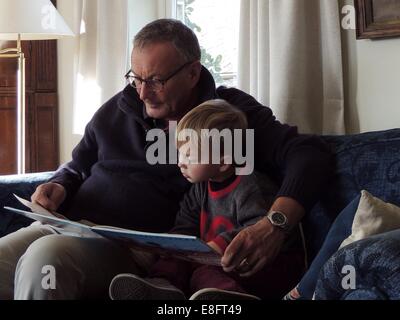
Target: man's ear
[(194, 73)]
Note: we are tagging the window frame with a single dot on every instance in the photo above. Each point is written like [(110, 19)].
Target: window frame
[(167, 9)]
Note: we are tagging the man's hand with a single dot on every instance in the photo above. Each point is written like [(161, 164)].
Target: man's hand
[(49, 195), (259, 244), (252, 248)]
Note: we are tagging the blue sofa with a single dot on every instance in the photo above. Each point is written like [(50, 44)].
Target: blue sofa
[(367, 161), (23, 186)]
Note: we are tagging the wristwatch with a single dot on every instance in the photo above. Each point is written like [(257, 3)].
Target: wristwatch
[(278, 219)]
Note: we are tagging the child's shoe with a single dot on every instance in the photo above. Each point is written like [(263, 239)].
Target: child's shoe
[(127, 286), (218, 294)]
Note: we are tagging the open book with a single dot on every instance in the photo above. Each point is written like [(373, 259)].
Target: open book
[(179, 246)]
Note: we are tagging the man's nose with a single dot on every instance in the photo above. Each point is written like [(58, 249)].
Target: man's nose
[(145, 91)]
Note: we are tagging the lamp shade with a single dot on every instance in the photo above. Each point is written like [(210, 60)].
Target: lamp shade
[(32, 19)]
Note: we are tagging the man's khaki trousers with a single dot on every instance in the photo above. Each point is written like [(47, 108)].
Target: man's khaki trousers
[(37, 262)]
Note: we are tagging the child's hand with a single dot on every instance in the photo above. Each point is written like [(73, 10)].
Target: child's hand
[(213, 245)]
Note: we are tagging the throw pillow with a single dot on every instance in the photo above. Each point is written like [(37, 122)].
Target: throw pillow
[(373, 216)]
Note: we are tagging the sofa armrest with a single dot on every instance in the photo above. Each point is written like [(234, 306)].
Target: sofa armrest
[(23, 186), (375, 262)]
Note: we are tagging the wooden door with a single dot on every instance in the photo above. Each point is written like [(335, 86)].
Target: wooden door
[(41, 107)]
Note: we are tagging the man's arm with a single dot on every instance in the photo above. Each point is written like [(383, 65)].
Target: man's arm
[(303, 163), (293, 210), (67, 179)]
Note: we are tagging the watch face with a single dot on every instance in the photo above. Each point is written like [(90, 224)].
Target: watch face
[(278, 218)]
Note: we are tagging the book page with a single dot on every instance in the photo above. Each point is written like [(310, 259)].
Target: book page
[(37, 208), (59, 222)]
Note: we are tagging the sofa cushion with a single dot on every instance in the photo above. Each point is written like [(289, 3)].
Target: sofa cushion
[(23, 186), (373, 216), (367, 161)]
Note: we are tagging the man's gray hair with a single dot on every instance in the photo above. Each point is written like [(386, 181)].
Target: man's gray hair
[(170, 30)]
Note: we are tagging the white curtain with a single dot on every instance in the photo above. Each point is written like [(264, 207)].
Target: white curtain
[(290, 58), (100, 55)]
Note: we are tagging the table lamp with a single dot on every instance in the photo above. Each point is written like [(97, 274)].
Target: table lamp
[(27, 20)]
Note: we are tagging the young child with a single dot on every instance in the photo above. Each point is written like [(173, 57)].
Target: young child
[(217, 207)]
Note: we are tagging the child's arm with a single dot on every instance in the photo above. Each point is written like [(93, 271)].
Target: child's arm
[(213, 245), (188, 218)]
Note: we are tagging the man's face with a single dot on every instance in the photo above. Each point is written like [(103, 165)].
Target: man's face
[(158, 61)]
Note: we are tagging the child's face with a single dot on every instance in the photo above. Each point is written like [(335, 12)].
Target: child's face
[(193, 170)]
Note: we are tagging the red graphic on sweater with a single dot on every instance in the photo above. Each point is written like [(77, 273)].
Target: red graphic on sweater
[(209, 230)]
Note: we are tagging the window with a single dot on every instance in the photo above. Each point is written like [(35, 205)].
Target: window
[(216, 24)]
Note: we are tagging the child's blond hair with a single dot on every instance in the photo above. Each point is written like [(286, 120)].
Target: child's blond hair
[(212, 114)]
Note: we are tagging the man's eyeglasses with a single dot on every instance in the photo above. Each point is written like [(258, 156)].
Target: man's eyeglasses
[(152, 84)]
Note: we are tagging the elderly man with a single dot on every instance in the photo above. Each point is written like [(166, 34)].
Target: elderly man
[(109, 181)]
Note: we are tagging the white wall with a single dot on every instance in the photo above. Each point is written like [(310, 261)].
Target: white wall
[(372, 82), (378, 93)]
